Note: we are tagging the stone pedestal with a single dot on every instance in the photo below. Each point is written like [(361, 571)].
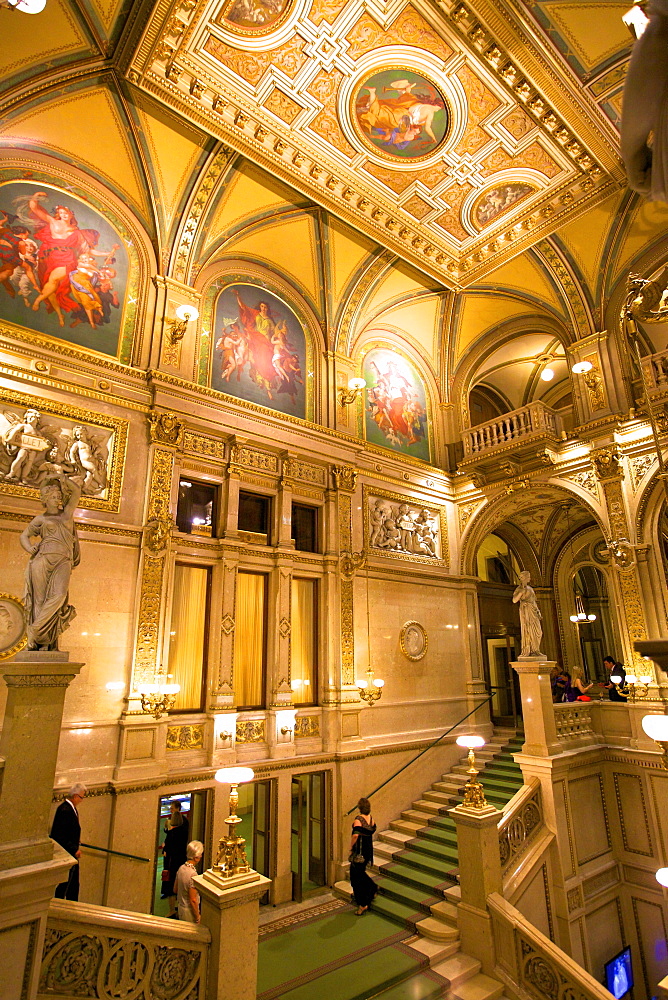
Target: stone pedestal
[(31, 865), (479, 875), (36, 686), (537, 709), (230, 913)]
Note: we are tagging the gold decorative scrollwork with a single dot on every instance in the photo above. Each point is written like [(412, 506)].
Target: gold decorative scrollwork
[(165, 428), (251, 731), (185, 737), (307, 727), (345, 477)]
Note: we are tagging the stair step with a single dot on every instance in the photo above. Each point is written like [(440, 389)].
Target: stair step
[(416, 816), (435, 862), (419, 986), (436, 930), (403, 826), (395, 910), (426, 806), (385, 852), (457, 969), (434, 951), (440, 798), (478, 987), (418, 899), (445, 912), (439, 849), (393, 837), (453, 894), (429, 884)]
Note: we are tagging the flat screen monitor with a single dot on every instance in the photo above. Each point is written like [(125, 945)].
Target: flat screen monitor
[(619, 974)]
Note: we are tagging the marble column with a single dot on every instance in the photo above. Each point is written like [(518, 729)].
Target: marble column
[(31, 865), (479, 875), (230, 912)]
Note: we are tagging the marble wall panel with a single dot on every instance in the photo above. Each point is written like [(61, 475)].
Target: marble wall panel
[(634, 820), (650, 925), (605, 935), (534, 902), (589, 817)]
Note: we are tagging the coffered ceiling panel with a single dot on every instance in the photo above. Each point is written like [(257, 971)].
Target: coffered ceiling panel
[(442, 133)]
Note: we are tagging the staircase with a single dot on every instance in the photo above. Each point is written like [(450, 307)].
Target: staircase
[(416, 864)]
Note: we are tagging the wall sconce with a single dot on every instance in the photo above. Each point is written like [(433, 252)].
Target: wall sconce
[(370, 688), (285, 721), (158, 699), (231, 859), (225, 727), (582, 367), (350, 394), (474, 793), (224, 736), (656, 727), (176, 328)]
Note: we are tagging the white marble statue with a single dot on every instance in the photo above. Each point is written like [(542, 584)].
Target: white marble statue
[(51, 539), (530, 619)]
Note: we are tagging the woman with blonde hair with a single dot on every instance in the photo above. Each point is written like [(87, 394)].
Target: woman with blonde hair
[(579, 685)]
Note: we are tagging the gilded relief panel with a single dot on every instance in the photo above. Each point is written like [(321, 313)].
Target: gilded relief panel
[(39, 437), (399, 526)]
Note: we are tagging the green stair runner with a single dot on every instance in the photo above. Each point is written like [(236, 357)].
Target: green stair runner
[(417, 875)]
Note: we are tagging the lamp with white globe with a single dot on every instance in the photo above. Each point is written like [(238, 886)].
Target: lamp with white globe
[(656, 727), (231, 861), (474, 794), (176, 328), (349, 394)]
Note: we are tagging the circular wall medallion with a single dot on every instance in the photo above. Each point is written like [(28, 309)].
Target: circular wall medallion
[(254, 18), (12, 625), (400, 114), (413, 640)]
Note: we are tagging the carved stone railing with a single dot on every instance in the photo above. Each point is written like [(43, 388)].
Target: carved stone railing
[(655, 369), (522, 819), (532, 965), (574, 724), (95, 952), (533, 421)]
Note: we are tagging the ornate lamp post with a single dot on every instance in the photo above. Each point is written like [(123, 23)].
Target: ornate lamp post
[(474, 793)]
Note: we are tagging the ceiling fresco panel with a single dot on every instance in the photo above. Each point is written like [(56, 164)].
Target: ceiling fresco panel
[(373, 111)]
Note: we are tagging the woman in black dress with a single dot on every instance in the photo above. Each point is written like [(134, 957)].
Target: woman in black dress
[(174, 852), (363, 886)]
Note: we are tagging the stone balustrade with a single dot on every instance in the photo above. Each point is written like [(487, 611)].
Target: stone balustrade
[(532, 965), (92, 951), (522, 819), (655, 369), (574, 723), (534, 420)]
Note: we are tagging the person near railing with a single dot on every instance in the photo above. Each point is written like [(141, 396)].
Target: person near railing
[(580, 687), (66, 831), (361, 854), (186, 894), (614, 670)]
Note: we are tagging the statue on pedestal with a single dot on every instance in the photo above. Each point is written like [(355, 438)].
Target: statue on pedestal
[(530, 619), (53, 555)]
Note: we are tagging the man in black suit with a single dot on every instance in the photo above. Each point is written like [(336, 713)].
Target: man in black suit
[(614, 670), (66, 831)]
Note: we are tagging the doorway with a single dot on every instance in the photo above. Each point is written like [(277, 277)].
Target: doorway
[(194, 809), (254, 809), (506, 704), (308, 833)]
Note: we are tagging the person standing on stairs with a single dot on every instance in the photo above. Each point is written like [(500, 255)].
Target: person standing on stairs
[(361, 854)]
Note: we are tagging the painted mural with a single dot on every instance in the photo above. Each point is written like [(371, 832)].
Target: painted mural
[(396, 406), (259, 349), (400, 114), (255, 17), (63, 268), (497, 200)]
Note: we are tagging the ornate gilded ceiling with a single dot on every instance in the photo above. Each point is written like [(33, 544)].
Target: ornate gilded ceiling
[(449, 133)]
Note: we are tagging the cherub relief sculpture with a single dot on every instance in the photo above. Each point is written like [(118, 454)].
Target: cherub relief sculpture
[(34, 446), (51, 539), (402, 528)]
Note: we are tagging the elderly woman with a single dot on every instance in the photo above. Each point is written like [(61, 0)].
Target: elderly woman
[(187, 896)]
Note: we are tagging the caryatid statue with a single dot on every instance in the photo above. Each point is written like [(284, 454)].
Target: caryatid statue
[(51, 539), (530, 619)]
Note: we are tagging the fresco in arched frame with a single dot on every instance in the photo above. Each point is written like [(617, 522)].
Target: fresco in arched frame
[(259, 349), (254, 17), (400, 114), (395, 404), (64, 268)]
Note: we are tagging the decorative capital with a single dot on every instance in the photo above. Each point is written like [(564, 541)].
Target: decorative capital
[(165, 428), (157, 533), (607, 463), (345, 477)]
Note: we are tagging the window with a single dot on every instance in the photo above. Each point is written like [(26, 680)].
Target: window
[(304, 641), (305, 527), (196, 510), (250, 640), (254, 513), (187, 635)]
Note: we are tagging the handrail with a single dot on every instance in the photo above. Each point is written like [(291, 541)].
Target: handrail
[(441, 737), (119, 854)]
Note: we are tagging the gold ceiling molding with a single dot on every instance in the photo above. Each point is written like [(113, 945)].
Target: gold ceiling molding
[(234, 93)]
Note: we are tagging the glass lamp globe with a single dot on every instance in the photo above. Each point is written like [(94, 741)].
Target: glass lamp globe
[(582, 367), (187, 312), (616, 678), (356, 383), (662, 876), (234, 775), (656, 727), (471, 742)]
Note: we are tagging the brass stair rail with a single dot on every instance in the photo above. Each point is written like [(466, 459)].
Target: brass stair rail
[(438, 740), (119, 854)]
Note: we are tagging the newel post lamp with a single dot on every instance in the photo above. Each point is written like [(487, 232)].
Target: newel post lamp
[(231, 861), (474, 793)]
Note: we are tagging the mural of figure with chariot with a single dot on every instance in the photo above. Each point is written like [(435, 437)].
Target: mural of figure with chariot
[(396, 406), (259, 350), (63, 268)]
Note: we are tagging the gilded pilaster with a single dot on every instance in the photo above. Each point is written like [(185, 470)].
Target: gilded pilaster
[(609, 472), (166, 434), (345, 480)]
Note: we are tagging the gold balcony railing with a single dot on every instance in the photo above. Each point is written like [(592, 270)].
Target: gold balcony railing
[(523, 426)]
